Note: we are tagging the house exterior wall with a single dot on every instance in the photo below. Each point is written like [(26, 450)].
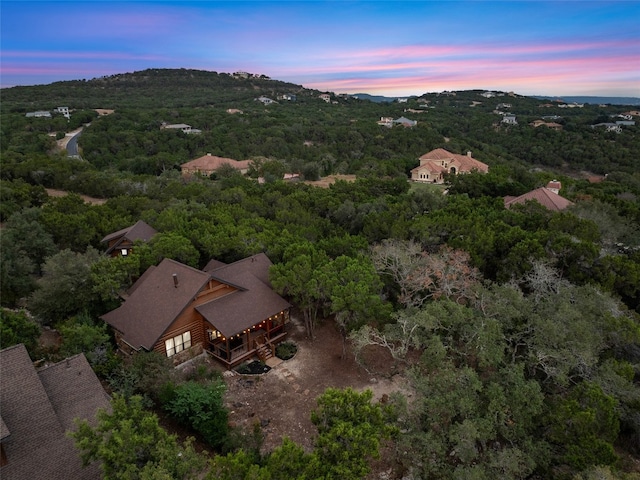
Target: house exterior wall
[(124, 244), (425, 175), (190, 320)]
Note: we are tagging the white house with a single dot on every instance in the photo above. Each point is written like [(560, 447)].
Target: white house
[(183, 127)]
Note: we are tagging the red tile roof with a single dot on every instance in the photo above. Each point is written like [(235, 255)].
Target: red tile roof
[(210, 163), (434, 159), (543, 196)]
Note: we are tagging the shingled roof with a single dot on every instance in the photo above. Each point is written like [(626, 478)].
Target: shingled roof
[(38, 408), (156, 302), (139, 231), (248, 306), (543, 196)]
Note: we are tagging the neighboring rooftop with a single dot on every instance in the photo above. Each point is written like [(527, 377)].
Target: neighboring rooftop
[(208, 164), (544, 196), (38, 408)]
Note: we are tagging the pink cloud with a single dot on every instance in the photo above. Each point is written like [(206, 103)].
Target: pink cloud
[(76, 55)]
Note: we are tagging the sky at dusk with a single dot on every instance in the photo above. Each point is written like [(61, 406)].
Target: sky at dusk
[(393, 48)]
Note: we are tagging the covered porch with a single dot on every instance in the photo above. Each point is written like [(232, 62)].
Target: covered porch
[(258, 339)]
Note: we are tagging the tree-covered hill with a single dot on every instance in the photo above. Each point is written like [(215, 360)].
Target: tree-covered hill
[(144, 89), (337, 137)]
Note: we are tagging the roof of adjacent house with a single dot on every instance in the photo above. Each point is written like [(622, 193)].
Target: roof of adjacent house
[(138, 231), (156, 302), (210, 163), (38, 408), (555, 184), (464, 163), (543, 196)]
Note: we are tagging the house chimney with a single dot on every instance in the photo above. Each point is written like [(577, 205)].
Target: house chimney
[(175, 280), (469, 153)]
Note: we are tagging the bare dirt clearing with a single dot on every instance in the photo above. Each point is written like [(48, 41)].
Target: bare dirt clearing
[(52, 192), (324, 182), (282, 399)]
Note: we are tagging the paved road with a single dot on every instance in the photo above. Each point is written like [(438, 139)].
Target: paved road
[(72, 146)]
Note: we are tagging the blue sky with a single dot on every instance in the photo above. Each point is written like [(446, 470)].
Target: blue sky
[(393, 48)]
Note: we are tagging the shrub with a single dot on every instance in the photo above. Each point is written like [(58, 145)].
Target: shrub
[(255, 367), (286, 350), (201, 407)]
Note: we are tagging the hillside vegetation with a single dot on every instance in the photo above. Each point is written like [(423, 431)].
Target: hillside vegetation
[(518, 328)]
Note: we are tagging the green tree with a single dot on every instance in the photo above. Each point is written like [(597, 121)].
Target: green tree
[(130, 444), (17, 327), (16, 271), (81, 335), (350, 431), (112, 275), (65, 288), (201, 407), (168, 245), (354, 290), (297, 278), (585, 425)]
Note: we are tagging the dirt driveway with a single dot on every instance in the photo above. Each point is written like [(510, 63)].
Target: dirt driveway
[(282, 399)]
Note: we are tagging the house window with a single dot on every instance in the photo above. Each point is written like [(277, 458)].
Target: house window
[(214, 334), (124, 252), (177, 344)]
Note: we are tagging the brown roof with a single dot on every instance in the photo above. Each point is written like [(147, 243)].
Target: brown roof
[(4, 430), (258, 265), (543, 196), (248, 306), (37, 410), (73, 389), (209, 163), (138, 231), (156, 302)]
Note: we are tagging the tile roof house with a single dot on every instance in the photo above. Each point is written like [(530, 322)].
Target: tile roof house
[(121, 242), (546, 196), (542, 123), (37, 408), (229, 311), (208, 164), (435, 164)]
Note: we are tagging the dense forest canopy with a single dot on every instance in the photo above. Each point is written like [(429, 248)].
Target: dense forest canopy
[(524, 320)]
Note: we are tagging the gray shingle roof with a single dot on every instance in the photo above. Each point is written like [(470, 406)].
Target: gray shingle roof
[(37, 446)]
